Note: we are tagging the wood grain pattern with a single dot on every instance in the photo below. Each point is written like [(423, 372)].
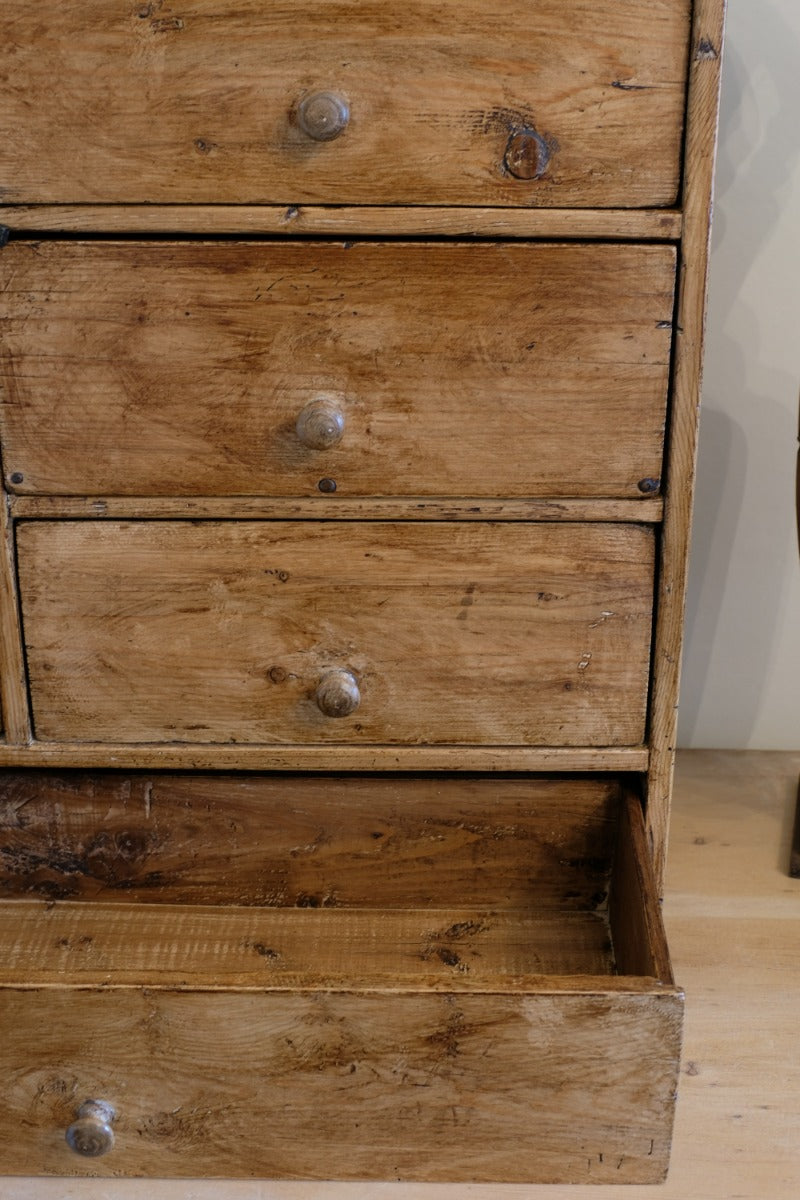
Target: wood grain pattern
[(16, 724), (314, 842), (461, 1087), (333, 506), (365, 1040), (634, 913), (296, 757), (194, 102), (489, 370), (620, 224), (220, 632), (702, 115), (270, 948), (456, 1002), (735, 940)]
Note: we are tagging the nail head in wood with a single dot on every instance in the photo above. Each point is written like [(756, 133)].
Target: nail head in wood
[(649, 486)]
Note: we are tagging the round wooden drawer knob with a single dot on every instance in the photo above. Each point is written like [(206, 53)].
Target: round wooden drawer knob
[(337, 694), (91, 1134), (321, 424), (323, 115)]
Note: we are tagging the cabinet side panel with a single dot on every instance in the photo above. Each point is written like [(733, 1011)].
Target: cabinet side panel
[(703, 108)]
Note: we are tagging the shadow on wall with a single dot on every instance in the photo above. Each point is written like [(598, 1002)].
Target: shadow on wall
[(738, 562), (721, 466)]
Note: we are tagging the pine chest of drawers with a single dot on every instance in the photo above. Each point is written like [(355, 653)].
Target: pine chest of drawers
[(350, 366)]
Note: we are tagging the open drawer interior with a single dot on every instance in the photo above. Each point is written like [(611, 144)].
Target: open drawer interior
[(309, 880), (384, 951)]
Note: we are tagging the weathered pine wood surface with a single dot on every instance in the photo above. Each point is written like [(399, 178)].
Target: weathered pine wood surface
[(364, 1041), (310, 842), (622, 224), (332, 505), (223, 632), (13, 681), (455, 370), (700, 155), (636, 925), (513, 1049), (338, 880), (297, 757), (304, 1085), (191, 102), (731, 913), (267, 949)]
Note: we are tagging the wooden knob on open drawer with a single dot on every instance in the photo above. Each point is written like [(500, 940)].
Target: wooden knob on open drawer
[(323, 115), (91, 1134), (321, 423), (337, 694)]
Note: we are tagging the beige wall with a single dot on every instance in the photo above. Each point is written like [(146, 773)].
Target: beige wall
[(741, 676)]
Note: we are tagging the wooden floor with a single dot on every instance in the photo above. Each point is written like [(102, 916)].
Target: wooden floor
[(733, 919)]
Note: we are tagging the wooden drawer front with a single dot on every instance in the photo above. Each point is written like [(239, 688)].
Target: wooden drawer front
[(443, 980), (450, 102), (224, 632), (458, 370), (544, 1088)]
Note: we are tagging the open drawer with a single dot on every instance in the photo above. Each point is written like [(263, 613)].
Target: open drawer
[(333, 977)]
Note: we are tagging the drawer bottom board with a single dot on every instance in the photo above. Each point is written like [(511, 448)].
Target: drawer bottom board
[(280, 948)]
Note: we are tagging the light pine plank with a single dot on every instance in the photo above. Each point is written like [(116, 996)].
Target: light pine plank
[(433, 1087), (154, 757), (702, 116), (621, 224), (311, 842), (634, 913), (332, 507), (488, 370), (199, 103), (16, 725), (69, 944), (225, 633), (733, 839)]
